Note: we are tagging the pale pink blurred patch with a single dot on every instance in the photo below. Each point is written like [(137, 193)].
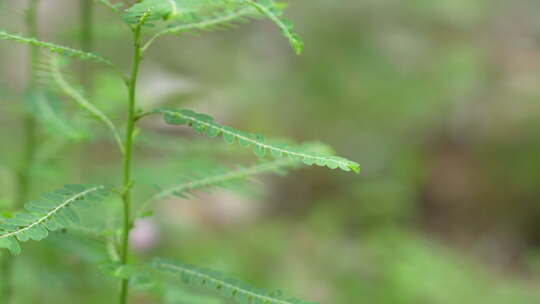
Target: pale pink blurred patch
[(144, 236)]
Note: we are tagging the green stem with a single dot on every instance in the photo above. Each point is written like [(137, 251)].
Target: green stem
[(29, 122), (128, 148), (27, 159), (28, 153), (87, 42)]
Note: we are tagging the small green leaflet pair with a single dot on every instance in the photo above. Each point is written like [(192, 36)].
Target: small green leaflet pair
[(51, 212)]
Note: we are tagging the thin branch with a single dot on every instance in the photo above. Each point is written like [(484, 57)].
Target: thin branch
[(81, 101)]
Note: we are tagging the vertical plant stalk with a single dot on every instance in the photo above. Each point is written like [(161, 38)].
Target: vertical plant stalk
[(28, 153), (87, 42), (29, 122), (128, 149), (86, 76)]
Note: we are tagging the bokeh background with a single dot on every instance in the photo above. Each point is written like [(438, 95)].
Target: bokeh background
[(437, 100)]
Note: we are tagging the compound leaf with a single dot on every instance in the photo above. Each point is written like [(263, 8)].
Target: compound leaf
[(204, 124), (234, 289), (55, 48), (184, 15), (51, 212)]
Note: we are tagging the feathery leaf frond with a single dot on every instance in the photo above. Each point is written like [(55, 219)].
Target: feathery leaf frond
[(82, 102), (53, 211), (55, 48), (205, 23), (222, 177), (231, 288), (273, 11), (219, 176), (205, 124), (184, 15)]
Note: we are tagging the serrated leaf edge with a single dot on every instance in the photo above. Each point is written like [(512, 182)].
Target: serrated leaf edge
[(342, 164)]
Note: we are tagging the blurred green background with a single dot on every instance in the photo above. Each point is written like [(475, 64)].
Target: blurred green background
[(437, 100)]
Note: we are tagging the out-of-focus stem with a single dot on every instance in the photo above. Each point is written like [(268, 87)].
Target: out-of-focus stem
[(24, 170), (87, 42)]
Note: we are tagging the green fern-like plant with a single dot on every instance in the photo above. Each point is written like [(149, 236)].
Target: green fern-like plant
[(53, 211), (154, 19)]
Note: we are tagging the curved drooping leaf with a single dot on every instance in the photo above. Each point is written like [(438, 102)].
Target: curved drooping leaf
[(273, 11), (234, 289), (51, 212), (55, 48), (82, 102), (205, 124)]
